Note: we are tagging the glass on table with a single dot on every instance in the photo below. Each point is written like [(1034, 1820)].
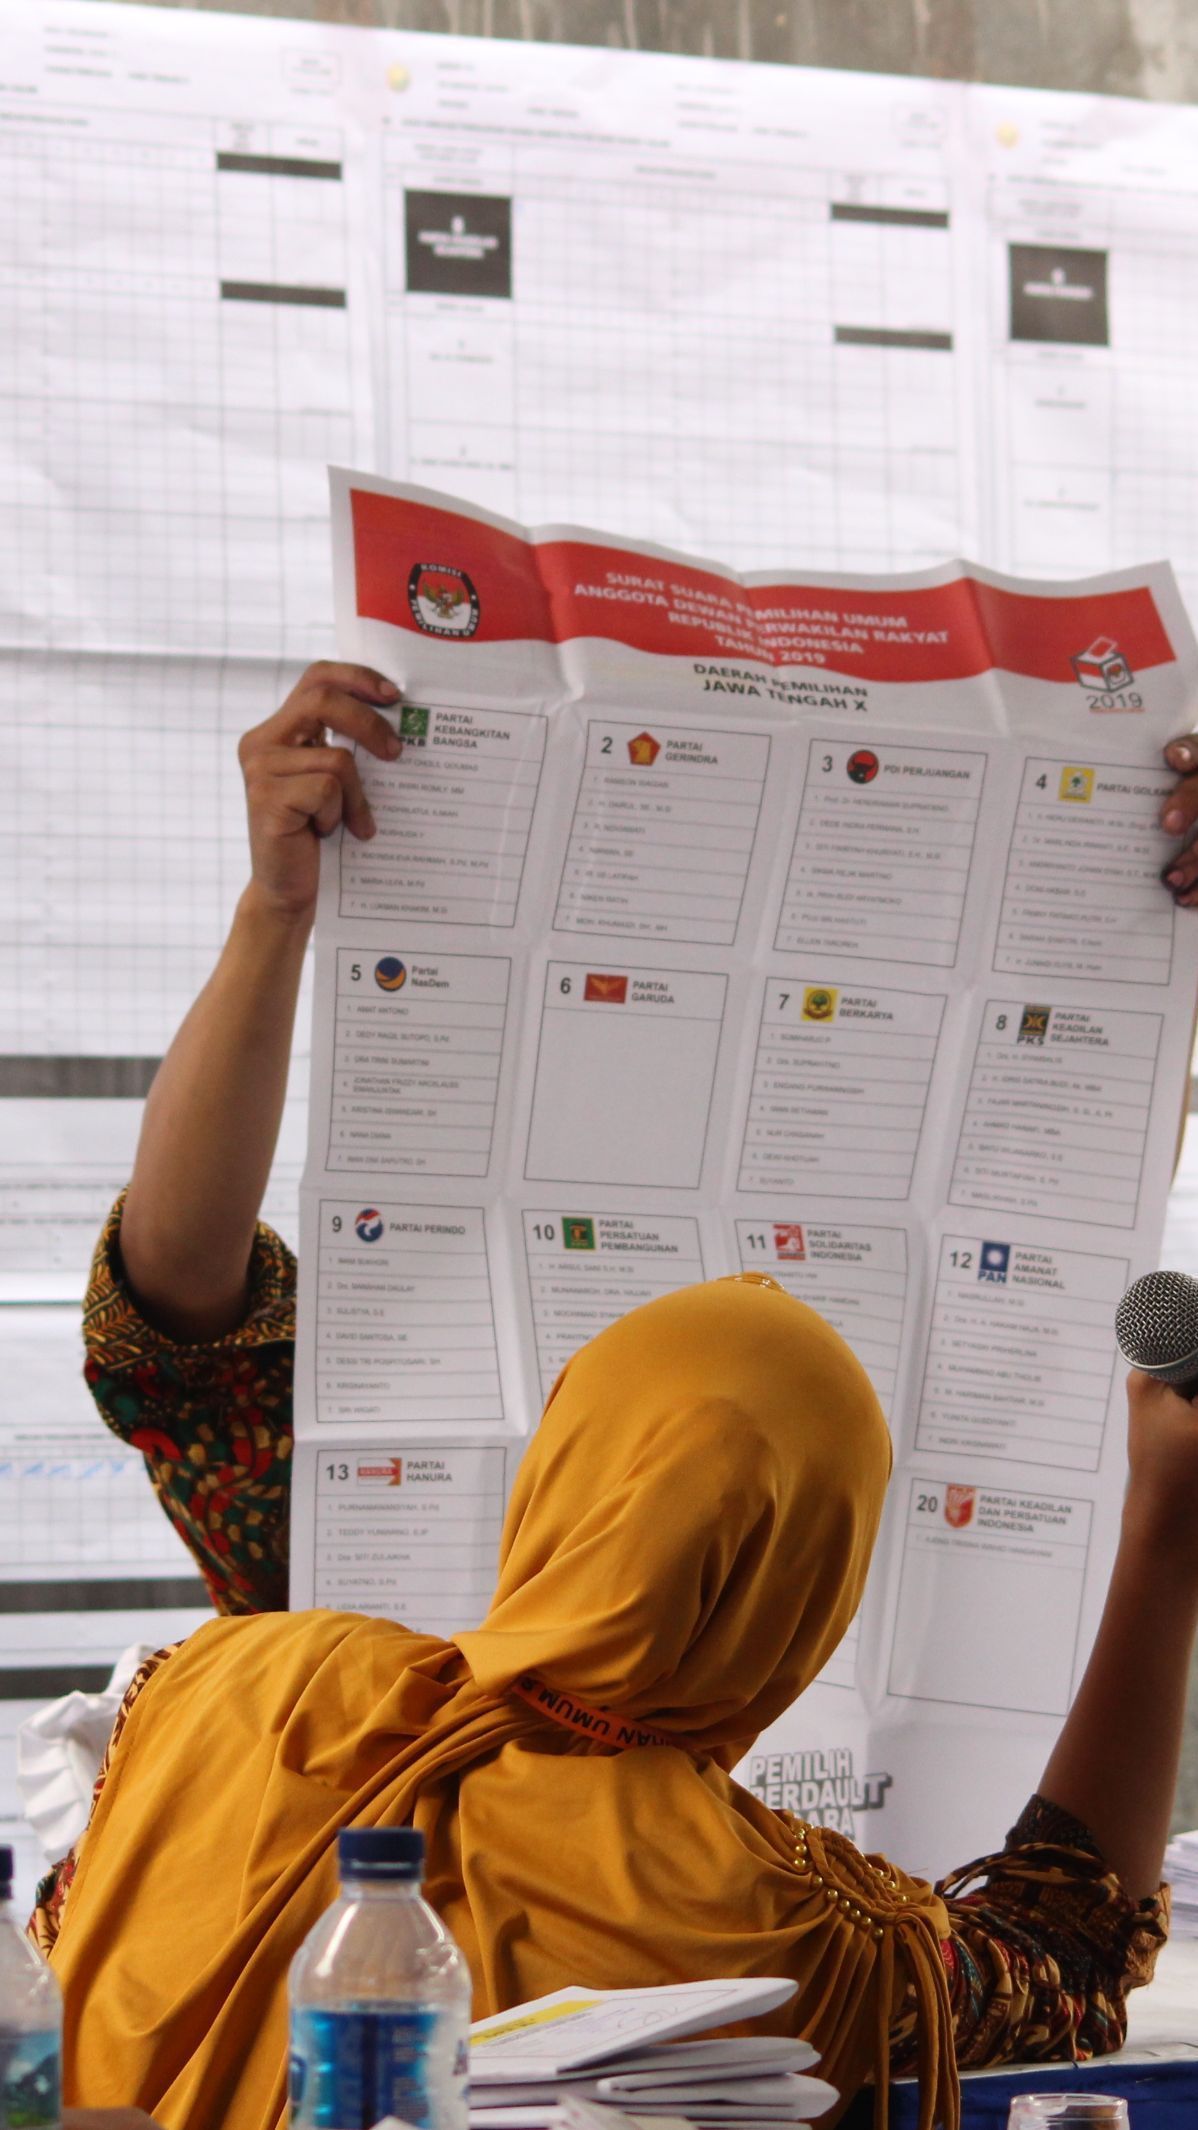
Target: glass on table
[(1067, 2111)]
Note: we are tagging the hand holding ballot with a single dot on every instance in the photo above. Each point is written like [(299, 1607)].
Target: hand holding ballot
[(296, 781)]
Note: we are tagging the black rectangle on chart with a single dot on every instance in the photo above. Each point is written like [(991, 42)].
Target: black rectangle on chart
[(885, 336), (1059, 294), (901, 217), (106, 1079), (321, 299), (130, 1593), (46, 1682), (458, 244), (277, 165)]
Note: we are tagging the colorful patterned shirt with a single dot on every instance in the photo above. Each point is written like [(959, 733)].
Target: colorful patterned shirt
[(1043, 1949)]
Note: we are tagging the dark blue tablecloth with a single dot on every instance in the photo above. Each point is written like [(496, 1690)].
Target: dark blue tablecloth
[(1160, 2095)]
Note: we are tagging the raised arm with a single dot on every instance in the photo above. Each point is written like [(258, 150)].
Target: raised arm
[(213, 1113), (1115, 1765)]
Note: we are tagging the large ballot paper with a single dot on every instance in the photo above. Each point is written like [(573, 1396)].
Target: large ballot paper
[(800, 924)]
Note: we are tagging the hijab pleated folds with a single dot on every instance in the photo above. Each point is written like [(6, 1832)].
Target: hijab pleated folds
[(686, 1543)]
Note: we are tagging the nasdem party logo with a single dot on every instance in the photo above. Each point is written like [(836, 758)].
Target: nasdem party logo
[(390, 974), (369, 1224)]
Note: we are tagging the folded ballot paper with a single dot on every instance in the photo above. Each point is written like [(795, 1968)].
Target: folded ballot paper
[(584, 2059)]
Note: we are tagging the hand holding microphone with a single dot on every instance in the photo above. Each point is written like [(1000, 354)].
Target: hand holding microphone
[(1156, 1326)]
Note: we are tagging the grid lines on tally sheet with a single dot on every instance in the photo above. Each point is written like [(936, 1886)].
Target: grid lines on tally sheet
[(119, 876), (741, 372), (166, 424), (1101, 463)]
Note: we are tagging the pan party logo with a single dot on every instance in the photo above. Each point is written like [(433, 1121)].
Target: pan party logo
[(821, 1787), (443, 600), (1077, 784), (819, 1003)]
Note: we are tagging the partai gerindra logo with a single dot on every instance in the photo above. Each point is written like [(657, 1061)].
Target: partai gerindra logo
[(443, 600)]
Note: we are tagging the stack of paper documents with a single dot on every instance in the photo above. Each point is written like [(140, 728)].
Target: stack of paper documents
[(1181, 1870), (581, 2059)]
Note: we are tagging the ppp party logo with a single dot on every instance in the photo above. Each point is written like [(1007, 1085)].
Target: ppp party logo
[(443, 600)]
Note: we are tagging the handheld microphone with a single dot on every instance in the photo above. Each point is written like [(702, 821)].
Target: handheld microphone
[(1156, 1326)]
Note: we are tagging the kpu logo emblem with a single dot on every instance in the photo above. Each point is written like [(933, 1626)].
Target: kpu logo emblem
[(443, 600), (959, 1505), (1103, 670), (790, 1241), (602, 990), (995, 1260), (643, 750), (390, 974), (369, 1224), (863, 766), (819, 1003)]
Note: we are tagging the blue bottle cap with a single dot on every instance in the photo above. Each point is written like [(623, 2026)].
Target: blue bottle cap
[(381, 1853)]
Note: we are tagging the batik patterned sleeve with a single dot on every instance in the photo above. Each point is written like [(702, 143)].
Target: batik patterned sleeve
[(213, 1420), (1043, 1950)]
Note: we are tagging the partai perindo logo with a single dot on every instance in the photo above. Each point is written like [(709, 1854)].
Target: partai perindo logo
[(443, 600)]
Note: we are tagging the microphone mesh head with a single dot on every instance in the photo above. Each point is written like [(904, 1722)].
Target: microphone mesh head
[(1156, 1325)]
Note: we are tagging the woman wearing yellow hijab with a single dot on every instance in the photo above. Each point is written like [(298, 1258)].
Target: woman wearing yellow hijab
[(687, 1541)]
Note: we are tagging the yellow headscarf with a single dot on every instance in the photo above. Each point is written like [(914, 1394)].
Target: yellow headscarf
[(686, 1544)]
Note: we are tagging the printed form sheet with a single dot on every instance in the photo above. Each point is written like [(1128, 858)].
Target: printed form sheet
[(849, 322), (801, 925)]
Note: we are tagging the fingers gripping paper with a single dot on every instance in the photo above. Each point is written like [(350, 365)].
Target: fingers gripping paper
[(721, 923)]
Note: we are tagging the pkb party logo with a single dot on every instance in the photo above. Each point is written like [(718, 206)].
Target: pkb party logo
[(368, 1225), (443, 601)]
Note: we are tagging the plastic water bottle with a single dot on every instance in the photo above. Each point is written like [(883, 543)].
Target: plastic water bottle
[(380, 1998), (30, 2023)]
